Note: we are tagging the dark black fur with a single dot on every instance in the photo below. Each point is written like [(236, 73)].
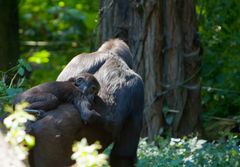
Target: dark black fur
[(80, 91)]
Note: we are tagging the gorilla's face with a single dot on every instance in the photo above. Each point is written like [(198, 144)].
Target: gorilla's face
[(88, 85)]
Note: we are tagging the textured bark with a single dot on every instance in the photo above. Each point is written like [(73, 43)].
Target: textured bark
[(162, 36), (9, 50), (181, 65)]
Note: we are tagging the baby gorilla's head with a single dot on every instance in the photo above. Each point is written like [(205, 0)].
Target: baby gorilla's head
[(88, 85)]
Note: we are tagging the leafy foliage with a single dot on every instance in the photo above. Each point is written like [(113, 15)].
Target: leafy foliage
[(87, 155), (219, 25), (53, 31), (190, 152), (12, 82), (16, 134)]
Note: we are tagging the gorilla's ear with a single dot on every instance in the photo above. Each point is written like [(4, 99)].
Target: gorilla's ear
[(72, 79)]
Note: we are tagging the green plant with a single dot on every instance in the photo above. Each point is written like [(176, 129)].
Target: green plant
[(189, 152), (219, 25), (87, 155), (52, 32), (12, 82), (16, 134)]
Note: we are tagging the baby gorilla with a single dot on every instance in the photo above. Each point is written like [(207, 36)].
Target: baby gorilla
[(81, 92)]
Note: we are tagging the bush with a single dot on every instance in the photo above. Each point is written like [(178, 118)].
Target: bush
[(12, 82), (52, 32), (189, 152), (219, 31)]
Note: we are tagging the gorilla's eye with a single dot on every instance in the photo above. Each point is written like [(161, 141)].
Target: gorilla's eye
[(78, 81)]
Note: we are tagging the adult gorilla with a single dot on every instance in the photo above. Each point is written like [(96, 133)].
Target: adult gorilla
[(120, 102)]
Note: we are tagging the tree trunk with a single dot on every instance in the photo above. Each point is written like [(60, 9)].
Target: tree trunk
[(162, 36), (9, 50)]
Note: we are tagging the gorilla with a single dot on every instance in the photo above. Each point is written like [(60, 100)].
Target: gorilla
[(80, 91), (120, 101)]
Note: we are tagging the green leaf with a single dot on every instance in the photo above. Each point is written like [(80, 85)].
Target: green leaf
[(13, 91), (20, 71), (28, 67), (21, 61), (24, 64), (30, 140), (40, 57), (169, 119)]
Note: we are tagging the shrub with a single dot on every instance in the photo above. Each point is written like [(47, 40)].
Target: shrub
[(189, 152)]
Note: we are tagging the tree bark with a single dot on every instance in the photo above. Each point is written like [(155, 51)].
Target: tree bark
[(162, 36), (9, 47)]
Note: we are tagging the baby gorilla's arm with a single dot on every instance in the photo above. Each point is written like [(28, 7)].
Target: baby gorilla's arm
[(42, 101), (37, 101), (87, 115)]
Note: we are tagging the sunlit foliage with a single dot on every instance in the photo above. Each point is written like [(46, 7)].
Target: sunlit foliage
[(16, 134), (87, 155), (53, 31)]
